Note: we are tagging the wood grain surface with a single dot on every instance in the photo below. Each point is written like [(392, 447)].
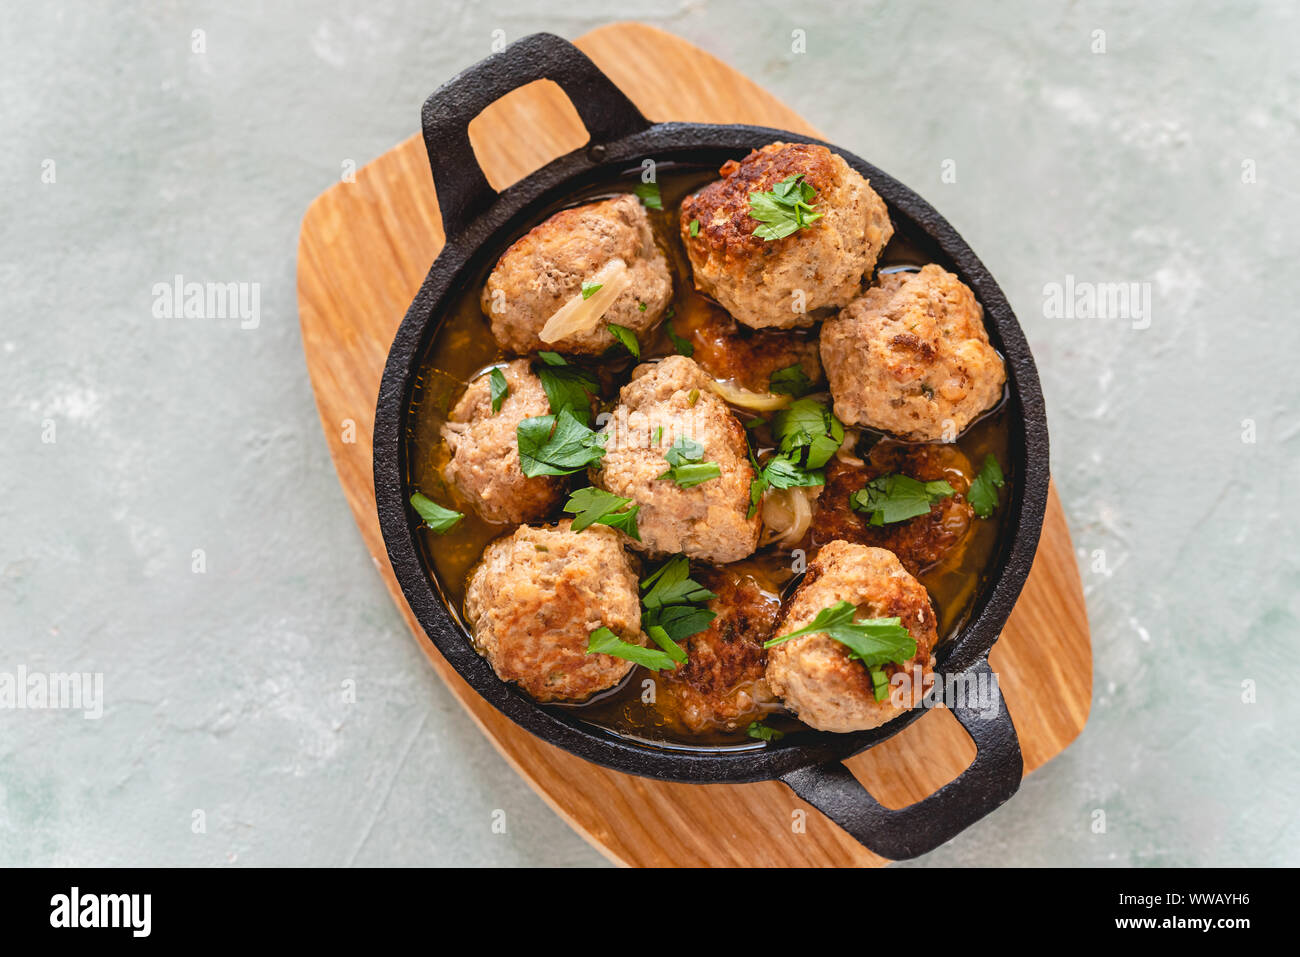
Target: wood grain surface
[(364, 249)]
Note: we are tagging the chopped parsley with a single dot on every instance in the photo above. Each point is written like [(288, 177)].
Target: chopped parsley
[(695, 228), (498, 388), (873, 641), (567, 387), (641, 307), (687, 469), (791, 380), (648, 193), (684, 347), (627, 337), (602, 641), (438, 519), (674, 605), (595, 506), (983, 492), (784, 209), (557, 445), (896, 498), (808, 432), (760, 731), (590, 289)]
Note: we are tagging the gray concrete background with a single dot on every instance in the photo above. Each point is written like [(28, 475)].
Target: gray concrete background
[(1168, 159)]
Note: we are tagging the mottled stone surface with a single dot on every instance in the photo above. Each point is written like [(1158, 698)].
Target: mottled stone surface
[(225, 691)]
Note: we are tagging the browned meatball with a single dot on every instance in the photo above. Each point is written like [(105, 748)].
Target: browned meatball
[(745, 357), (722, 686), (536, 597), (813, 674), (920, 542), (666, 401), (547, 267), (911, 357), (484, 464), (759, 281)]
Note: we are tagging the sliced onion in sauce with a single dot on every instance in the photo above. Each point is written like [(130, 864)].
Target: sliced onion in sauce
[(743, 398), (580, 315), (787, 513)]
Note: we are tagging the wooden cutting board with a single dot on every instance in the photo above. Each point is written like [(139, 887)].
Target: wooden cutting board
[(363, 252)]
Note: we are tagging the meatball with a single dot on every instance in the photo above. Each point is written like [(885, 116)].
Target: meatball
[(667, 406), (911, 356), (757, 280), (547, 267), (748, 358), (814, 674), (921, 542), (484, 463), (536, 597), (722, 685)]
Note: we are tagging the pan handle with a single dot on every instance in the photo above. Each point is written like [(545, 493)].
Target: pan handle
[(990, 780), (463, 190)]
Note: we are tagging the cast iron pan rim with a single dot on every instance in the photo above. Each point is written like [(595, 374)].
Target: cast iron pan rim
[(667, 141)]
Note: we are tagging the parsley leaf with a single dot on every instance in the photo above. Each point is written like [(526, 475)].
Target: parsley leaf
[(671, 584), (595, 506), (440, 520), (687, 470), (791, 380), (557, 445), (567, 387), (684, 347), (672, 605), (684, 450), (808, 432), (498, 388), (693, 473), (626, 336), (695, 228), (602, 641), (874, 641), (648, 193), (781, 472), (983, 492), (896, 498), (661, 638), (757, 729), (784, 209), (590, 289)]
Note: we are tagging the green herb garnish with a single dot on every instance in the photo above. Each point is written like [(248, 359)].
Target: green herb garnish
[(983, 492), (873, 641), (784, 209), (757, 729), (673, 605), (557, 445), (602, 641), (648, 193), (498, 388), (896, 498), (791, 380), (672, 584), (626, 336), (595, 506), (695, 228), (567, 387), (590, 289), (439, 520), (687, 468), (684, 347), (808, 432)]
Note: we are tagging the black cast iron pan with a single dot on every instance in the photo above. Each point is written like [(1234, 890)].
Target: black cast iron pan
[(477, 221)]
